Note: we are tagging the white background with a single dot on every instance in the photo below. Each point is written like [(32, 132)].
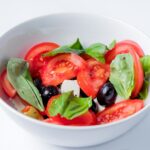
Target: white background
[(12, 12)]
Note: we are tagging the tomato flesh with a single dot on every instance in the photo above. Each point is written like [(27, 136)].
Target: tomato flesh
[(92, 78), (119, 111), (35, 59), (86, 119), (6, 85), (60, 68)]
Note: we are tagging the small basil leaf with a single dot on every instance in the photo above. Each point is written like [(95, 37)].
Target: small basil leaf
[(74, 48), (111, 45), (19, 76), (145, 61), (77, 107), (122, 75), (77, 45), (70, 106), (97, 51), (144, 91), (59, 104)]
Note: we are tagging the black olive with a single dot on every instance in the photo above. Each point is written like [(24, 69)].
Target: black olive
[(48, 92), (37, 82), (106, 96), (82, 94), (94, 107)]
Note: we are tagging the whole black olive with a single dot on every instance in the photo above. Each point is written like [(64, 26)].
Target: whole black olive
[(106, 96), (48, 92), (82, 94), (37, 82), (94, 107)]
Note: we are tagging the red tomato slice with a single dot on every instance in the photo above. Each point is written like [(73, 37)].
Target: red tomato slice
[(138, 74), (60, 68), (34, 56), (8, 88), (119, 111), (123, 47), (86, 119), (93, 77)]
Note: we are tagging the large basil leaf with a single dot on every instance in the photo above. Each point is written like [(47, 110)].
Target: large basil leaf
[(97, 51), (122, 75), (19, 76), (73, 48), (145, 61), (70, 106)]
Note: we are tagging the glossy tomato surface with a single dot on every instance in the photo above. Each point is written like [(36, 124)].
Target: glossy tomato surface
[(92, 78), (60, 68), (6, 85), (34, 56), (119, 111)]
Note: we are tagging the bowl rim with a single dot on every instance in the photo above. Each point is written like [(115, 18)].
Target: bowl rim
[(38, 122)]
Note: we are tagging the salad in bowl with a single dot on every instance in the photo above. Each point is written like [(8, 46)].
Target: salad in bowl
[(74, 85)]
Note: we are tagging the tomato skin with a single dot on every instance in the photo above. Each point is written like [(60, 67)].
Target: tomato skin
[(138, 74), (119, 111), (123, 47), (34, 56), (92, 78), (6, 85), (60, 68), (89, 118)]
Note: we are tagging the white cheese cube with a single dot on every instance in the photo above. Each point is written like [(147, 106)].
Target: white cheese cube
[(70, 85)]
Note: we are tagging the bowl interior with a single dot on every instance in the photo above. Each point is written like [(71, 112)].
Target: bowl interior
[(64, 29)]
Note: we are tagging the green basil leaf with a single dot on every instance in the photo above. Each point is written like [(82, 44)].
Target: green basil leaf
[(111, 45), (70, 106), (59, 105), (145, 61), (77, 45), (74, 48), (144, 91), (19, 76), (122, 75), (97, 51)]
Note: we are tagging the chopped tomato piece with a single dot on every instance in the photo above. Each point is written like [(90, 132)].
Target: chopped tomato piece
[(35, 59), (6, 85), (60, 68), (119, 111), (92, 78)]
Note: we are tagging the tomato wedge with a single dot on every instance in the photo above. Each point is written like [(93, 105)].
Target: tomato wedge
[(8, 88), (34, 56), (92, 78), (60, 68), (123, 47), (86, 119), (119, 111)]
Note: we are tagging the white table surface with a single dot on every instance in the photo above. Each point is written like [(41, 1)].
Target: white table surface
[(12, 12)]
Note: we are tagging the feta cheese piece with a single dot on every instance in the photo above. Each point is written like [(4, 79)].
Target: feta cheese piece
[(70, 85)]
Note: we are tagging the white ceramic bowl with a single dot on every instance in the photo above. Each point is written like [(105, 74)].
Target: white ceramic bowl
[(65, 28)]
